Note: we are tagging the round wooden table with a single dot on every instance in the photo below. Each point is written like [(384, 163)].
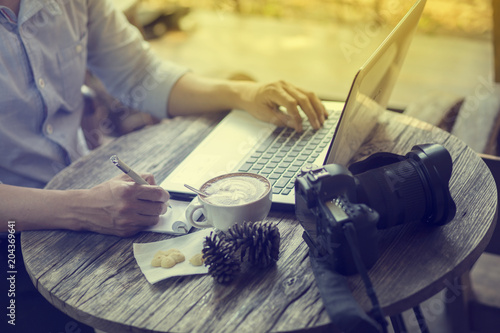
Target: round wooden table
[(95, 278)]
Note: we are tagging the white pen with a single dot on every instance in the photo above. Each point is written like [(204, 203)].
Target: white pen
[(128, 171)]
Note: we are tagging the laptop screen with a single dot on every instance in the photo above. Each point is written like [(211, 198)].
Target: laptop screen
[(372, 88)]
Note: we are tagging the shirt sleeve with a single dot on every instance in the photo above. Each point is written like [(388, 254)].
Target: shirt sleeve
[(124, 62)]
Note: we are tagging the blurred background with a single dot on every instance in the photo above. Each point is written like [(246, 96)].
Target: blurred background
[(320, 44)]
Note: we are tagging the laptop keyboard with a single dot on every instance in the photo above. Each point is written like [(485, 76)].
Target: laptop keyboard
[(282, 155)]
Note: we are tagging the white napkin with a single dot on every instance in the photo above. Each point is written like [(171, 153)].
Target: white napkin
[(174, 217), (189, 245)]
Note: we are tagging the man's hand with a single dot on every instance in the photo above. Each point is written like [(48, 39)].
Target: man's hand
[(121, 207), (279, 103)]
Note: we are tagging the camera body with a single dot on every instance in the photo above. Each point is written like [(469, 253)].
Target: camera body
[(380, 192), (325, 202)]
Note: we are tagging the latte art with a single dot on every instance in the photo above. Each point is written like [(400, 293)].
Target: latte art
[(234, 190)]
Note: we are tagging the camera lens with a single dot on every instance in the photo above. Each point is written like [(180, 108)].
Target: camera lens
[(407, 189)]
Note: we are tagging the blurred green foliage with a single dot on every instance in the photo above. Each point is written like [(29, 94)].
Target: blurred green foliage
[(470, 18)]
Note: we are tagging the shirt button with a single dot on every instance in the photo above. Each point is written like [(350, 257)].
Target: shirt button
[(79, 48), (41, 83), (49, 129)]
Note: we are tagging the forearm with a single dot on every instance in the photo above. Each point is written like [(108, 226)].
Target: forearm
[(118, 206), (35, 209), (194, 95)]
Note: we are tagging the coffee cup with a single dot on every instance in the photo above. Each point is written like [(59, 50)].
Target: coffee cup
[(231, 198)]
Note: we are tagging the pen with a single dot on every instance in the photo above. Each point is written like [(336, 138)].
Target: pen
[(128, 171)]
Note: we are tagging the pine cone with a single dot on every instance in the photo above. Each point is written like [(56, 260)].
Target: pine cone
[(259, 241), (220, 258)]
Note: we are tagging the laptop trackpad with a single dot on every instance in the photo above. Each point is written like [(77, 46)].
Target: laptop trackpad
[(221, 152)]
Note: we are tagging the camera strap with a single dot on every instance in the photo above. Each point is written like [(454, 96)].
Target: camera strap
[(352, 240), (344, 312), (342, 308)]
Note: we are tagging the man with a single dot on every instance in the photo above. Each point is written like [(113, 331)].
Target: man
[(47, 46)]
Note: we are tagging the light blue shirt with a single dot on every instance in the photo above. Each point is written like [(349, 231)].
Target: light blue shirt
[(44, 53)]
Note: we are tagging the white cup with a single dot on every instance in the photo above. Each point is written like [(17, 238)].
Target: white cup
[(233, 198)]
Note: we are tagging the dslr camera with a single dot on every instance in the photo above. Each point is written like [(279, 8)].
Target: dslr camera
[(379, 192)]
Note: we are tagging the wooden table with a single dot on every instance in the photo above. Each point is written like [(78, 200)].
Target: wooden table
[(95, 279)]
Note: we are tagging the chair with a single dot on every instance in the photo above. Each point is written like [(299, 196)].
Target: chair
[(473, 303), (484, 297)]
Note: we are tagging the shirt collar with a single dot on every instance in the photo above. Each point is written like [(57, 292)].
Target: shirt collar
[(27, 9)]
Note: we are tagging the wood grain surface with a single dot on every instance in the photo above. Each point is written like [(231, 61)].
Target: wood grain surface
[(95, 278)]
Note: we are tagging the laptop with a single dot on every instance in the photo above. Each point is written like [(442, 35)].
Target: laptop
[(242, 143)]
